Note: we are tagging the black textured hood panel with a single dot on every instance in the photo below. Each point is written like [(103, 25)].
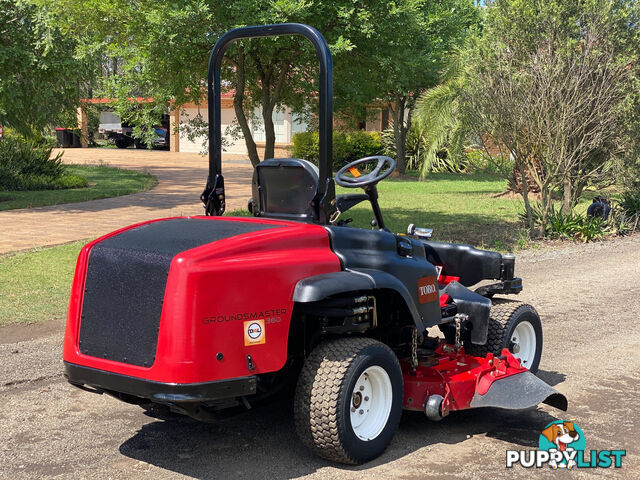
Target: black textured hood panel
[(126, 280)]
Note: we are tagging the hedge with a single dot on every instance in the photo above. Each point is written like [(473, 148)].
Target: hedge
[(27, 165), (347, 146)]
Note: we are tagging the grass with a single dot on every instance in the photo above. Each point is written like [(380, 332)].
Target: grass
[(35, 285), (104, 182), (460, 208)]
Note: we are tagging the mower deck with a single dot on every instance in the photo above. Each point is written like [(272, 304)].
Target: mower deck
[(464, 381)]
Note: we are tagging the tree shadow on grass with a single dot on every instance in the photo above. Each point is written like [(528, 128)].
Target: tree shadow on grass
[(480, 230)]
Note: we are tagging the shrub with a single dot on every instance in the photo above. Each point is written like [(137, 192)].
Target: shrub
[(630, 202), (306, 146), (416, 151), (347, 146), (27, 165), (625, 213), (479, 161), (571, 225), (362, 144), (621, 223)]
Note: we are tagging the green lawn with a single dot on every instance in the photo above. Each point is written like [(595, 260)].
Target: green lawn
[(459, 207), (35, 285), (104, 182)]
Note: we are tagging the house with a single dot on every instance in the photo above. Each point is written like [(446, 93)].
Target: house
[(286, 122)]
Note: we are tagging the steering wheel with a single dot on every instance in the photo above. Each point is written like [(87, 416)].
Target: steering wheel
[(383, 169)]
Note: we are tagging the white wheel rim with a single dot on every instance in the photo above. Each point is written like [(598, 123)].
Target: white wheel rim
[(523, 339), (370, 403)]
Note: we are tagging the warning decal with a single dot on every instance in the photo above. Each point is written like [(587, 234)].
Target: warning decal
[(254, 332)]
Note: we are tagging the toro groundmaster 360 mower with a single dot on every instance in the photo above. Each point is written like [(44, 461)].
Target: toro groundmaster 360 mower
[(209, 314)]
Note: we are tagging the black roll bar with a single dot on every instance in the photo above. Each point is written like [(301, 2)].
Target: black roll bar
[(324, 200)]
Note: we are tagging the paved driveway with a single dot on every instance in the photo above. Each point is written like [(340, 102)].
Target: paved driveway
[(181, 178)]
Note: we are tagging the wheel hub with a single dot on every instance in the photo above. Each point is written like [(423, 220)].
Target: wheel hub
[(523, 343), (371, 402)]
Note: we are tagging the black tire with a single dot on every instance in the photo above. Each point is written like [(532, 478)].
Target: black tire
[(324, 395), (122, 142), (505, 317), (139, 144)]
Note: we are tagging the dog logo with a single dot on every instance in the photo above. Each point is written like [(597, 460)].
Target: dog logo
[(562, 445), (561, 436)]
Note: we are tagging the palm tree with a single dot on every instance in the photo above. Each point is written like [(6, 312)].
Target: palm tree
[(442, 120)]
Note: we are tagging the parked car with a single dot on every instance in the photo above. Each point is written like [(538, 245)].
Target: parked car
[(121, 133)]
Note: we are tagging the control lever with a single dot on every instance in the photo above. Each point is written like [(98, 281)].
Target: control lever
[(423, 233)]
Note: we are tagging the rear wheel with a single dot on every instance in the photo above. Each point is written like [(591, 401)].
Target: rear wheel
[(515, 326), (122, 142), (348, 400)]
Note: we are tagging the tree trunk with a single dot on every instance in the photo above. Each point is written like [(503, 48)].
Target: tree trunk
[(238, 101), (527, 204), (545, 205), (399, 133), (567, 197), (269, 101), (269, 129)]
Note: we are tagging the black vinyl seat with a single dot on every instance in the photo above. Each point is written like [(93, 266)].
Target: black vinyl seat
[(284, 188), (470, 264)]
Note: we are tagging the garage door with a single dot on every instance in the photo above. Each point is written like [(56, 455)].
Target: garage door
[(189, 143)]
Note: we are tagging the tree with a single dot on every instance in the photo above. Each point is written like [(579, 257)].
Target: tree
[(549, 85), (40, 81), (386, 51), (404, 55), (163, 51)]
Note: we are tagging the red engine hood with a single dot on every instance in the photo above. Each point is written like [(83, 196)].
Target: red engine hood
[(223, 275)]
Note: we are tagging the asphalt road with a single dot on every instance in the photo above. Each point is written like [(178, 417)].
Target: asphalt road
[(589, 300)]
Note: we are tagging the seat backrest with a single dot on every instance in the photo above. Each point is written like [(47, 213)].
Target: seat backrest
[(284, 188)]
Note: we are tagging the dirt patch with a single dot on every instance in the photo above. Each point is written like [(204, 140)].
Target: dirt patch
[(18, 332)]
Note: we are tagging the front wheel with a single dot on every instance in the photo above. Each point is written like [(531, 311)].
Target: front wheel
[(515, 326), (348, 400)]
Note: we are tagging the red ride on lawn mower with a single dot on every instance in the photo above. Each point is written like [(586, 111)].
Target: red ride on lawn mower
[(207, 315)]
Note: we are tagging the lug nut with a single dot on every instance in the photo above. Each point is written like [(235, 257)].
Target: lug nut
[(361, 388), (366, 399), (361, 412), (353, 409)]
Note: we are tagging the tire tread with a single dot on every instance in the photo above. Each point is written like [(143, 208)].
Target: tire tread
[(502, 311), (318, 396)]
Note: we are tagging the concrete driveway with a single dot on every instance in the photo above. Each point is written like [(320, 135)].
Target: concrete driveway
[(181, 178)]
